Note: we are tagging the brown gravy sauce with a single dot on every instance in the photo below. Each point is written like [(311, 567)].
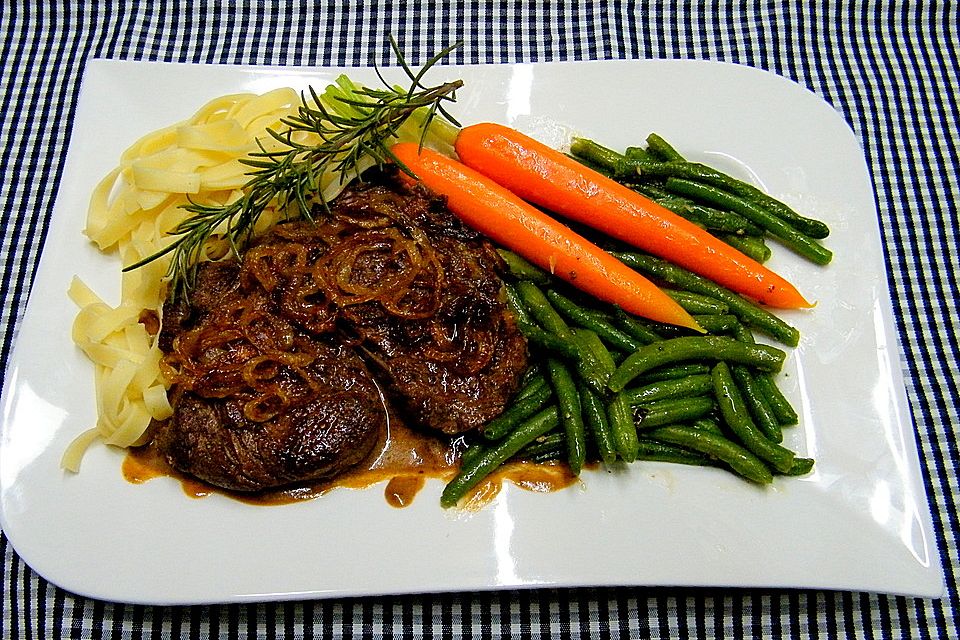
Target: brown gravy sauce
[(405, 459), (538, 477)]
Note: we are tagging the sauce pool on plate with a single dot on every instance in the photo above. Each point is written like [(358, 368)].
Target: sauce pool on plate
[(405, 460)]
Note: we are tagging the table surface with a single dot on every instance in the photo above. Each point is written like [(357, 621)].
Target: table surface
[(889, 68)]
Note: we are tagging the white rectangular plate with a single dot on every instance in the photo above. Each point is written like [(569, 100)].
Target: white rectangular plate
[(860, 521)]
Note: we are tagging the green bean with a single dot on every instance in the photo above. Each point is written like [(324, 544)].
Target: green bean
[(624, 429), (657, 146), (678, 204), (801, 467), (729, 222), (748, 312), (595, 417), (535, 334), (515, 304), (707, 424), (532, 381), (671, 410), (590, 343), (742, 333), (643, 163), (730, 453), (702, 173), (637, 153), (571, 414), (635, 327), (695, 348), (592, 165), (752, 247), (532, 372), (521, 269), (738, 419), (596, 365), (549, 455), (696, 303), (595, 322), (709, 218), (547, 443), (673, 372), (786, 414), (654, 451), (471, 453), (756, 402), (717, 323), (518, 412), (799, 242), (608, 159), (686, 387), (539, 307), (480, 467), (548, 341)]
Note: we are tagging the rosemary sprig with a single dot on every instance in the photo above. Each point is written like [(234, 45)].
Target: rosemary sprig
[(350, 127)]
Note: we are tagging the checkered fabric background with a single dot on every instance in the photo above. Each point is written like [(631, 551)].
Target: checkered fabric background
[(891, 68)]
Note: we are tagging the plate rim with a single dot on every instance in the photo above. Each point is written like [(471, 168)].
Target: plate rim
[(12, 372)]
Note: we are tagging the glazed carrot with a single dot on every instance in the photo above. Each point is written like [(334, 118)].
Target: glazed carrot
[(548, 178), (507, 220)]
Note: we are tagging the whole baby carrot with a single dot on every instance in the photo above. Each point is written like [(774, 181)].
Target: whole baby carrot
[(548, 178), (509, 221)]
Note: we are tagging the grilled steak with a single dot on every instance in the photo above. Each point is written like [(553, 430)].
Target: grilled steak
[(260, 403), (270, 361), (416, 291)]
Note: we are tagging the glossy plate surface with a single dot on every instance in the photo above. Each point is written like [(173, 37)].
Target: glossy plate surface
[(859, 522)]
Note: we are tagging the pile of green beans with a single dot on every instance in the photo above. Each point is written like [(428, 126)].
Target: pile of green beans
[(735, 211), (610, 388)]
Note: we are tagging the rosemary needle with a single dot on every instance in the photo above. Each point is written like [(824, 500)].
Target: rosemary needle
[(350, 126)]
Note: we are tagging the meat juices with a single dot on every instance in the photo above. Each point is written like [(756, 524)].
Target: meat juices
[(277, 362)]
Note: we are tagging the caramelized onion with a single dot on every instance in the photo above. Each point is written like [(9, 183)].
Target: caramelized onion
[(264, 407), (398, 264), (260, 370), (470, 350), (218, 383), (365, 260)]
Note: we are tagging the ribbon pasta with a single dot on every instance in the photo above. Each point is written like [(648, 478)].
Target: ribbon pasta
[(132, 212)]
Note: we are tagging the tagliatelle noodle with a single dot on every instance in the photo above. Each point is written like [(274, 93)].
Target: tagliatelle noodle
[(132, 212)]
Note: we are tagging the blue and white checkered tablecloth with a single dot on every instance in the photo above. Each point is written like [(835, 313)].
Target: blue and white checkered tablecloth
[(891, 68)]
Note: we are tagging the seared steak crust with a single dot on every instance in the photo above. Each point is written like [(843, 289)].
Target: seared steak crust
[(386, 278), (260, 403)]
